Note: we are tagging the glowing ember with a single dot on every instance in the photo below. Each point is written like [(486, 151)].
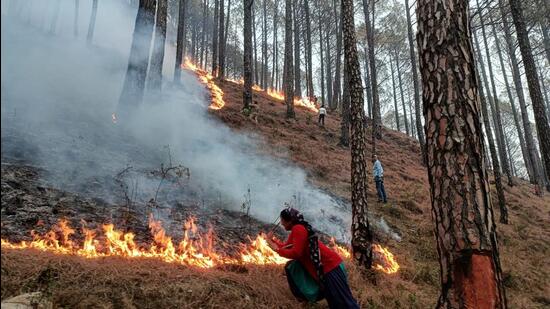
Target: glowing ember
[(194, 249), (207, 79), (113, 116)]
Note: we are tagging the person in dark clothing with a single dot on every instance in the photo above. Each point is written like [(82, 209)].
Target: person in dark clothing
[(312, 260)]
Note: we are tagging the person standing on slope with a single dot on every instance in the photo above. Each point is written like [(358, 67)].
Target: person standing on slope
[(378, 173), (322, 113), (314, 272)]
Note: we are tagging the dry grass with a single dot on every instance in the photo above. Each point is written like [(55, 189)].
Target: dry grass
[(118, 283)]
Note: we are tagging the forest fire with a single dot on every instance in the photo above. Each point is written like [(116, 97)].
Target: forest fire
[(207, 79), (194, 249)]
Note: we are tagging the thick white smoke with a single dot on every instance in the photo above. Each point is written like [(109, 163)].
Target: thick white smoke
[(58, 95)]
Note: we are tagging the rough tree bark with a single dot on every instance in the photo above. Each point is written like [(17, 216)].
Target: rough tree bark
[(180, 41), (361, 235), (541, 120), (367, 82), (136, 74), (344, 122), (461, 202), (247, 61), (309, 58), (157, 58), (297, 75), (288, 75), (91, 26)]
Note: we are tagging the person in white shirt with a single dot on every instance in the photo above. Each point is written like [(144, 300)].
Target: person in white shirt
[(322, 113)]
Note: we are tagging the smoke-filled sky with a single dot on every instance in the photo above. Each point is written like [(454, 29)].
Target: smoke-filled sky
[(58, 95)]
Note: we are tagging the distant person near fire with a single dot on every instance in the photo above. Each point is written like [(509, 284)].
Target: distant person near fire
[(315, 271), (322, 113), (378, 173)]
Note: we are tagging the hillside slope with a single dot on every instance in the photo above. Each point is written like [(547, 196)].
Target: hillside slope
[(112, 282), (524, 242)]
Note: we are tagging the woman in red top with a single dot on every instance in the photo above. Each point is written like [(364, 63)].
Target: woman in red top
[(323, 264)]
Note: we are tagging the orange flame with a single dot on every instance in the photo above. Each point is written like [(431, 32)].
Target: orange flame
[(303, 102), (207, 79), (194, 249), (384, 259)]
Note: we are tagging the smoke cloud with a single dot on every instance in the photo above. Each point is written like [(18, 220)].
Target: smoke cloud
[(58, 95)]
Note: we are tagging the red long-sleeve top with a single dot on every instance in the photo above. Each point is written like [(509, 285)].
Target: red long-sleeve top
[(297, 248)]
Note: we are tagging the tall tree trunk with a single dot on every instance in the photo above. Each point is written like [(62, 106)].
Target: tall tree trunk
[(368, 82), (221, 37), (75, 22), (376, 117), (328, 69), (136, 74), (394, 95), (361, 235), (495, 106), (525, 155), (264, 45), (336, 86), (309, 58), (297, 74), (493, 151), (247, 61), (461, 202), (322, 59), (215, 38), (180, 41), (401, 91), (516, 76), (275, 47), (226, 32), (157, 58), (288, 69), (203, 33), (544, 91), (419, 127), (91, 26), (541, 120), (344, 122), (255, 63)]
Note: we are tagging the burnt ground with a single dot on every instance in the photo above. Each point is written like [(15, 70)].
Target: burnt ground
[(28, 204)]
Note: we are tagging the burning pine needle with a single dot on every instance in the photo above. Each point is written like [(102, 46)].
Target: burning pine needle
[(194, 249)]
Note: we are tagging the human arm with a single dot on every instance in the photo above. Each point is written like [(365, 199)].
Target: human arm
[(294, 248)]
